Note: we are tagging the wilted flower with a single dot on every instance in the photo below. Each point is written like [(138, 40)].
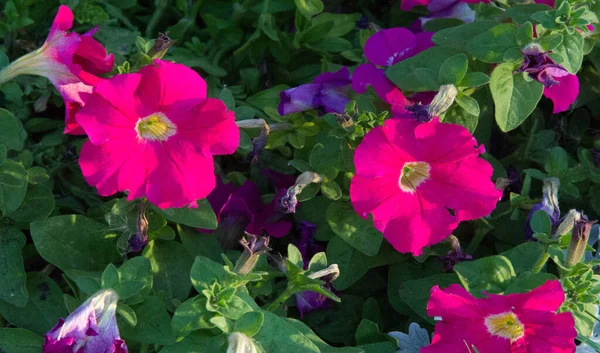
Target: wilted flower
[(559, 85), (240, 209), (72, 62), (524, 322), (549, 204), (308, 301), (289, 201), (254, 246), (579, 240), (386, 48), (420, 180), (154, 134), (329, 92), (240, 343), (91, 328)]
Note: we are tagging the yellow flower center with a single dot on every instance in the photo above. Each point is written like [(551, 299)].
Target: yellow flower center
[(506, 325), (155, 127), (413, 174)]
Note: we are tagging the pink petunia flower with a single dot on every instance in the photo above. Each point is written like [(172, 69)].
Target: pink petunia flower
[(154, 134), (419, 180), (72, 62), (385, 48), (523, 323)]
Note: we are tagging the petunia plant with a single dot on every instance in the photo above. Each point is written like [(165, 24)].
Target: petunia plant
[(306, 176)]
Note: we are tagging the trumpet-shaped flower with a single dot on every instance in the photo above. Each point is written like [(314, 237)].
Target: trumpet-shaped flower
[(91, 328), (328, 92), (383, 49), (523, 322), (154, 134), (419, 180), (72, 62), (559, 85)]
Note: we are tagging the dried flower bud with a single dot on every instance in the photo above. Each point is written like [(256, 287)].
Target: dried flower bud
[(240, 343), (579, 240), (443, 100), (254, 246), (161, 46), (289, 201), (140, 238), (567, 223)]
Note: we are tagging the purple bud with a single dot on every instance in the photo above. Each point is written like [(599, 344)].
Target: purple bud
[(254, 246), (540, 66), (549, 204), (91, 328), (453, 258)]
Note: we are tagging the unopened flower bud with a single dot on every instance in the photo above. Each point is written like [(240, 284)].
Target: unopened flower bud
[(140, 238), (549, 204), (289, 201), (162, 44), (443, 100), (567, 223), (240, 343), (579, 240), (254, 246)]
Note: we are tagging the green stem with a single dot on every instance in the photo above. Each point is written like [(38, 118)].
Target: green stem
[(287, 293), (542, 261), (531, 135), (156, 16)]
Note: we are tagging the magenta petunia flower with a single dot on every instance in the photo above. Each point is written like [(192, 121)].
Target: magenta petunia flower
[(241, 209), (72, 62), (524, 322), (91, 328), (328, 92), (419, 180), (385, 48), (559, 85), (154, 134)]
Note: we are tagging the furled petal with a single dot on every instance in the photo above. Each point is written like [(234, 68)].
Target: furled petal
[(91, 56), (335, 79), (563, 94), (333, 98), (299, 99), (389, 46), (63, 21)]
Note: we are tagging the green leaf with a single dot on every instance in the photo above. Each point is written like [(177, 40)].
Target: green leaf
[(278, 335), (521, 13), (350, 227), (491, 45), (468, 104), (352, 263), (43, 309), (571, 50), (525, 256), (205, 271), (309, 8), (416, 293), (331, 190), (342, 24), (557, 163), (200, 244), (190, 316), (406, 74), (324, 159), (12, 133), (540, 222), (110, 277), (201, 217), (529, 281), (368, 332), (18, 340), (197, 342), (458, 37), (491, 274), (453, 70), (12, 272), (294, 256), (127, 314), (137, 269), (128, 289), (514, 97), (13, 186), (268, 98), (75, 242), (171, 265), (227, 97), (37, 205), (250, 323), (153, 323)]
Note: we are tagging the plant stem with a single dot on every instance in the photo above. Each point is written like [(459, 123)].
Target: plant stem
[(161, 5), (531, 135), (542, 261), (287, 293)]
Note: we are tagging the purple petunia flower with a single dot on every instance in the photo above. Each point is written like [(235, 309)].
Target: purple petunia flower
[(453, 258), (383, 49), (328, 92), (91, 328), (549, 204), (559, 85), (240, 209)]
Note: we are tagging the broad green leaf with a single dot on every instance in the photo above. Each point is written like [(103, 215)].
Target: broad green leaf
[(267, 98), (521, 13), (406, 74), (458, 37), (110, 277), (540, 222), (18, 340), (197, 342), (331, 190), (75, 242), (368, 332), (137, 269), (200, 244), (557, 163), (205, 271), (529, 281), (468, 104), (453, 70), (416, 293), (190, 316), (277, 335), (12, 133), (315, 210), (491, 274), (514, 97), (43, 309), (13, 186), (127, 314), (350, 227), (524, 257), (201, 217), (491, 45), (352, 263), (37, 205), (474, 79), (571, 50), (250, 323), (12, 272), (342, 23), (323, 347), (153, 323), (171, 265)]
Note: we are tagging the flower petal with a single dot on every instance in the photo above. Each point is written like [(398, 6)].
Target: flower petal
[(563, 94), (389, 46)]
